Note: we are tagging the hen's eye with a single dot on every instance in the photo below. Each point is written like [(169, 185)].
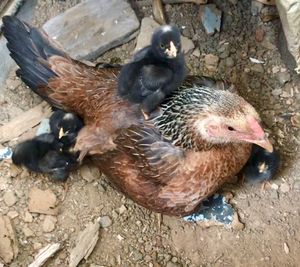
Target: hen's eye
[(162, 46), (230, 128)]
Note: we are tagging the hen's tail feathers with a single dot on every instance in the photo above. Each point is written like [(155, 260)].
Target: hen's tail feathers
[(31, 49)]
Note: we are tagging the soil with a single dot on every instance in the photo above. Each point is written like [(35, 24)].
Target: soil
[(138, 237)]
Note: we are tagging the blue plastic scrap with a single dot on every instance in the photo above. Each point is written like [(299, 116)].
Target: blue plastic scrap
[(5, 153), (214, 208)]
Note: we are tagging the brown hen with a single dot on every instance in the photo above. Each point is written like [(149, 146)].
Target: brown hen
[(201, 137)]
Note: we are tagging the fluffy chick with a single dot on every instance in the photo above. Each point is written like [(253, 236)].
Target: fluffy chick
[(65, 127), (42, 154), (155, 71), (261, 166)]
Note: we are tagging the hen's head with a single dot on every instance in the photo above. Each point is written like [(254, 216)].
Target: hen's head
[(166, 42), (213, 116)]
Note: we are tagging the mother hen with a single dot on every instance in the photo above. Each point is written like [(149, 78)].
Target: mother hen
[(169, 164)]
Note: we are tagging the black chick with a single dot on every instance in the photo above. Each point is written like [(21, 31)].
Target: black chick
[(65, 127), (261, 166), (155, 71), (42, 154)]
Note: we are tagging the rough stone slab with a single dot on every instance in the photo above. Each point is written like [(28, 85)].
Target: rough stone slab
[(8, 244), (148, 25), (42, 201), (92, 27), (210, 18)]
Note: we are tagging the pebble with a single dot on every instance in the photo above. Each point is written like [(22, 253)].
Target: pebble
[(275, 69), (295, 120), (89, 173), (210, 18), (283, 78), (42, 201), (229, 62), (256, 7), (49, 223), (187, 45), (136, 255), (284, 188), (211, 62), (259, 35), (277, 92), (105, 221), (10, 198), (171, 264), (14, 171), (12, 214), (122, 209), (257, 68), (27, 217), (37, 246), (27, 231), (286, 248), (196, 52)]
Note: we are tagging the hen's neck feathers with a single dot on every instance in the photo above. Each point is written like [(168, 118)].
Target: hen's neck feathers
[(188, 104)]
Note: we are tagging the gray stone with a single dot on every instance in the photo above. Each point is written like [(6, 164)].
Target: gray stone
[(49, 223), (210, 18), (283, 77), (92, 27), (277, 92), (211, 62), (257, 68), (89, 173), (229, 62), (105, 221), (10, 198), (187, 45), (256, 7)]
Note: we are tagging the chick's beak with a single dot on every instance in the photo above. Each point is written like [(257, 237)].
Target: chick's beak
[(172, 52), (61, 133)]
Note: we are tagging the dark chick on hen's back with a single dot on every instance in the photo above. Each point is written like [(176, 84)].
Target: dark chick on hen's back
[(65, 127), (42, 154), (155, 71)]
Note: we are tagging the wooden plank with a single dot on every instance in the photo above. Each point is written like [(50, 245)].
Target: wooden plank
[(24, 122)]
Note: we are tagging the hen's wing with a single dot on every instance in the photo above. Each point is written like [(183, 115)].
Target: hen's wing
[(153, 155)]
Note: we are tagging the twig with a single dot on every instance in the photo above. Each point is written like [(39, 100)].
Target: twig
[(44, 254)]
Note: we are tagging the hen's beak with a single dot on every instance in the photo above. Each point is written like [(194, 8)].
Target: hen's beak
[(264, 143), (61, 133), (172, 52)]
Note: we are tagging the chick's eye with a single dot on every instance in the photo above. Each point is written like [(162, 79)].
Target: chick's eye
[(162, 46), (230, 128)]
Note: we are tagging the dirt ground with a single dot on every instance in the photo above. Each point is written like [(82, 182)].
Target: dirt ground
[(271, 236)]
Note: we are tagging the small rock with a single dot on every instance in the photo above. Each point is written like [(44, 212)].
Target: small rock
[(295, 120), (274, 194), (286, 248), (257, 68), (122, 209), (211, 62), (37, 246), (89, 173), (136, 255), (10, 198), (148, 25), (105, 222), (284, 188), (13, 83), (49, 223), (229, 62), (277, 92), (174, 259), (12, 214), (27, 231), (274, 186), (283, 77), (236, 224), (210, 18), (171, 264), (275, 69), (14, 171), (196, 52), (27, 217), (256, 7), (8, 243), (259, 35), (187, 44), (42, 201)]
